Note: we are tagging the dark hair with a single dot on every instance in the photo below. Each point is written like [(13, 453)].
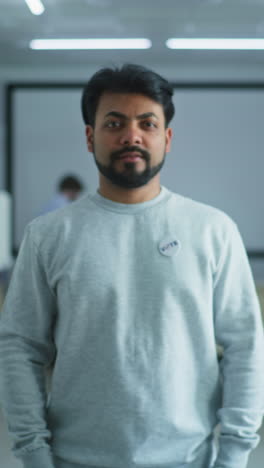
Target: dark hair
[(69, 182), (128, 79)]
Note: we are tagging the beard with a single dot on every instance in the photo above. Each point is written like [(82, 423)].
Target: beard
[(130, 176)]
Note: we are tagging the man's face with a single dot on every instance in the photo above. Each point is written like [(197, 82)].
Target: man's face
[(128, 124)]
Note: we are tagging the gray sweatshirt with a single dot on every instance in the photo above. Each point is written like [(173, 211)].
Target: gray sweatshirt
[(126, 304)]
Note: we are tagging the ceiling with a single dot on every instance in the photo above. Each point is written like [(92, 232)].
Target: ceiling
[(154, 19)]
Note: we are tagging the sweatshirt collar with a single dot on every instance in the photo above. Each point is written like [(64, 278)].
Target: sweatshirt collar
[(130, 208)]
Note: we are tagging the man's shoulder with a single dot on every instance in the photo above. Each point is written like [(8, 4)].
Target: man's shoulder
[(207, 227), (52, 218), (200, 212), (53, 223)]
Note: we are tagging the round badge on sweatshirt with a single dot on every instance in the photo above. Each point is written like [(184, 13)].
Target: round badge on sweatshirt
[(169, 246)]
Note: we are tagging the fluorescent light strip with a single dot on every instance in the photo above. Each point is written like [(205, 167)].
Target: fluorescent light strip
[(36, 6), (215, 44), (68, 44)]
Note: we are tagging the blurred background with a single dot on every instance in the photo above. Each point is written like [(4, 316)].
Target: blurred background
[(217, 152)]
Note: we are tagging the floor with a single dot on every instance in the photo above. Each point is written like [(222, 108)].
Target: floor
[(9, 461)]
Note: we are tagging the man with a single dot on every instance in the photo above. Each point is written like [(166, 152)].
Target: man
[(69, 189), (127, 293)]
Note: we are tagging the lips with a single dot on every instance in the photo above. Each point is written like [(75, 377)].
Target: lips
[(131, 155)]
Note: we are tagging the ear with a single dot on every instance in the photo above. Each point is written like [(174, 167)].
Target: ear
[(168, 138), (89, 131)]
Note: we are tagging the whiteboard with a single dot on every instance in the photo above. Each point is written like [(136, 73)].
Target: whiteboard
[(216, 157)]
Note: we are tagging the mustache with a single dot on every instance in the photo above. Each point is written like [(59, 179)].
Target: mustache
[(117, 154)]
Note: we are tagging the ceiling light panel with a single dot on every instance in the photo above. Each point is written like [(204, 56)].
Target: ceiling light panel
[(215, 44), (36, 6), (71, 44)]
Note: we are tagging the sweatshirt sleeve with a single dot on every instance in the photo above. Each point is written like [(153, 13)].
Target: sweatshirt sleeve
[(26, 348), (239, 330)]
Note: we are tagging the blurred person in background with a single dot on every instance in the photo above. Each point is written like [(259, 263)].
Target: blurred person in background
[(69, 189)]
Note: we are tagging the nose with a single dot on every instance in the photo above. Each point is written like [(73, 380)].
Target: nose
[(131, 136)]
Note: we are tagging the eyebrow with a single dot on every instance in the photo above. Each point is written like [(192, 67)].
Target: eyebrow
[(146, 115)]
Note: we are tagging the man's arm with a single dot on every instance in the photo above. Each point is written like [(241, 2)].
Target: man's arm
[(26, 347), (239, 330)]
